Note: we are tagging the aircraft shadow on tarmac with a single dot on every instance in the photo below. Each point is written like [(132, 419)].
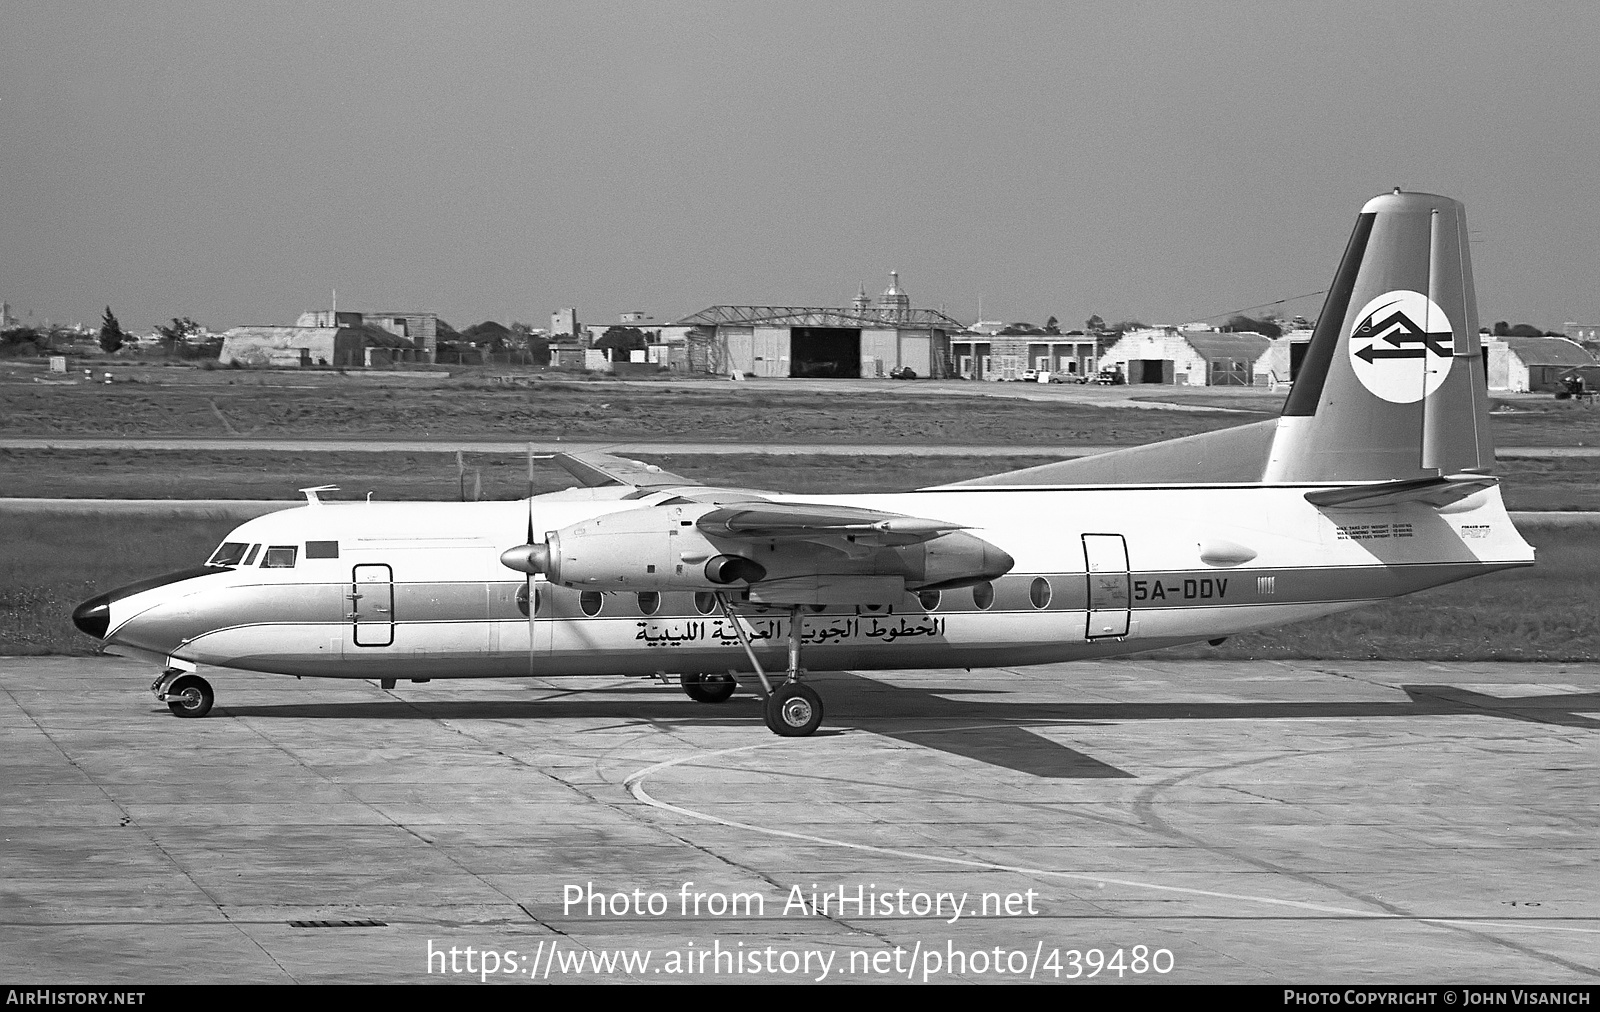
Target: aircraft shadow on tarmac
[(993, 732)]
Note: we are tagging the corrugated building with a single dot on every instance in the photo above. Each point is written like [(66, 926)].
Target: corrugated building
[(1522, 364), (864, 340), (1280, 363), (1187, 357)]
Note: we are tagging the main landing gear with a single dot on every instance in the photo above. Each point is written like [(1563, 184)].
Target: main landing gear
[(185, 693), (792, 710), (708, 687)]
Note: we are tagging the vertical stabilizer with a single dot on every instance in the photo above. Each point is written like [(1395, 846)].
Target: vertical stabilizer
[(1393, 384)]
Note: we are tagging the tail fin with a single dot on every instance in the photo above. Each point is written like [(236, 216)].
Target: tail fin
[(1393, 386), (1393, 383)]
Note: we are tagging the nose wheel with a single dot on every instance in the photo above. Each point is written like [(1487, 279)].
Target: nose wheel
[(187, 695)]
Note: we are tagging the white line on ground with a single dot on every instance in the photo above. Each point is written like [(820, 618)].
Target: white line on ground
[(634, 782)]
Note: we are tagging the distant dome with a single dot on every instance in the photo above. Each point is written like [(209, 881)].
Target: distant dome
[(893, 299)]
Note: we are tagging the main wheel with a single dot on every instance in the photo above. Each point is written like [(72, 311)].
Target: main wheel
[(190, 696), (707, 687), (793, 710)]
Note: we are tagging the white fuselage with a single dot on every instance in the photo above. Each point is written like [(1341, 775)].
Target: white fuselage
[(417, 590)]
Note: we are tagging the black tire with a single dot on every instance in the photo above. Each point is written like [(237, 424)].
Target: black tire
[(196, 694), (793, 711), (707, 687)]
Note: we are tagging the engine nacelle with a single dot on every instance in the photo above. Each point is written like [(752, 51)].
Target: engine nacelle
[(663, 548), (651, 549)]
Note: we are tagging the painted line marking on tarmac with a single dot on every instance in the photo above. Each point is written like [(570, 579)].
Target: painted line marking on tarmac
[(634, 783)]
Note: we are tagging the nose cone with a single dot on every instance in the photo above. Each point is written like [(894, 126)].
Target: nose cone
[(93, 616)]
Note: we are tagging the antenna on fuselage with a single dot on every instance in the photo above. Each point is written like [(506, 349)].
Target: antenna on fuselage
[(311, 493)]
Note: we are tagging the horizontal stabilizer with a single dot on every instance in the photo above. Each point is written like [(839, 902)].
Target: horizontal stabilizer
[(1225, 455), (1436, 491)]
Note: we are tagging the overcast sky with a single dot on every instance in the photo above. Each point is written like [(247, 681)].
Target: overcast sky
[(1161, 161)]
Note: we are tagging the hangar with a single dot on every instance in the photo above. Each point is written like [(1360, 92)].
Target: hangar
[(865, 340), (1187, 357), (1522, 364)]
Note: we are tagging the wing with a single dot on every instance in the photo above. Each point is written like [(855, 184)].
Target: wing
[(878, 556), (596, 469), (774, 552), (836, 525)]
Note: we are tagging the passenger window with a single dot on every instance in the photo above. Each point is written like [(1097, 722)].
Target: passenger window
[(929, 599), (229, 554), (280, 557), (1039, 592), (590, 601), (705, 603), (322, 549), (250, 560), (649, 602), (983, 595), (522, 599)]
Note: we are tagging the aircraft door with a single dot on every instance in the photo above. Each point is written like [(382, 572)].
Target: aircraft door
[(372, 605), (1106, 565)]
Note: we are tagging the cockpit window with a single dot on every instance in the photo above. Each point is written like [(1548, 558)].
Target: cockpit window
[(322, 549), (229, 554), (249, 560), (280, 557)]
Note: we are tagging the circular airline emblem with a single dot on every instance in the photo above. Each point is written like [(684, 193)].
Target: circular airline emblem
[(1401, 346)]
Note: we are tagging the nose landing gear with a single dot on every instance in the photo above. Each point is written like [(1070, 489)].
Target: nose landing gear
[(185, 693)]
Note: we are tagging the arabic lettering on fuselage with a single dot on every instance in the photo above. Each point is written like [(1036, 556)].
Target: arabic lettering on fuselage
[(816, 631)]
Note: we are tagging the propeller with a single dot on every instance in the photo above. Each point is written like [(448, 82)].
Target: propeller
[(524, 559), (529, 557)]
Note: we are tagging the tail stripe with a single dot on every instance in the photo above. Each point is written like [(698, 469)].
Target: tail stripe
[(1307, 389)]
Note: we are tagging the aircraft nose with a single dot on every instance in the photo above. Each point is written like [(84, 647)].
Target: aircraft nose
[(93, 616)]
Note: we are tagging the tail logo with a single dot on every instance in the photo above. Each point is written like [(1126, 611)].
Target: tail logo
[(1402, 348)]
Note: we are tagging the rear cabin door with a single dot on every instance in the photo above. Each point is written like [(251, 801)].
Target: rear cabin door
[(1106, 564), (372, 605)]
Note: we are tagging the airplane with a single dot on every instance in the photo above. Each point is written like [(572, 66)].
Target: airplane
[(1375, 481)]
